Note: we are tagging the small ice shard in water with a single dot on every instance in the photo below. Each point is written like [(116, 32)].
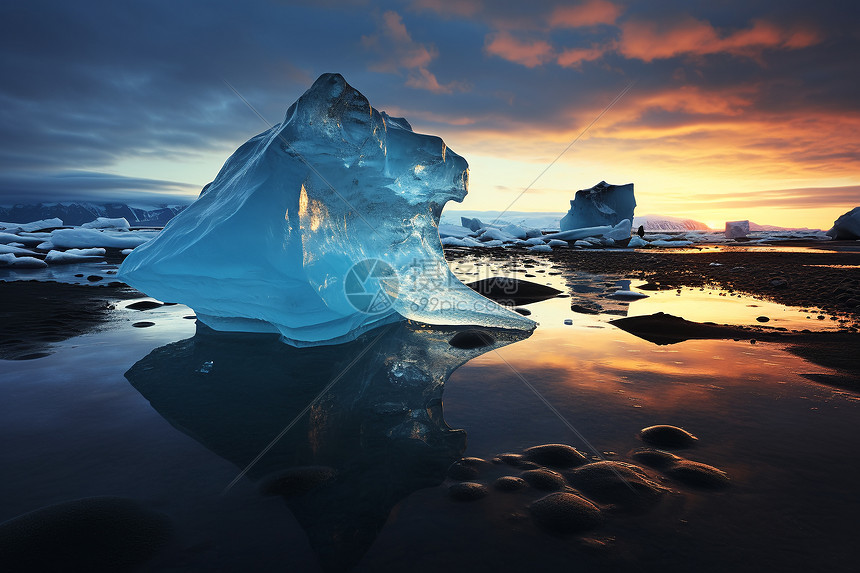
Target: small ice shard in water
[(602, 205), (737, 229), (847, 226), (320, 228)]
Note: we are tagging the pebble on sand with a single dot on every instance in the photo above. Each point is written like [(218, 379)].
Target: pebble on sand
[(509, 483), (618, 483), (565, 513), (544, 479), (654, 458), (698, 474), (462, 472), (144, 305), (143, 324), (90, 534), (467, 491), (555, 455), (664, 436), (469, 339), (296, 481)]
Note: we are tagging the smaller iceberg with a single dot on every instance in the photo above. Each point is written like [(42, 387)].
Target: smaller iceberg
[(602, 205), (847, 226), (737, 229)]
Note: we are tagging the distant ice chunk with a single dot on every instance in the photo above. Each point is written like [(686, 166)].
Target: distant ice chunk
[(107, 223), (472, 224), (603, 204), (620, 232), (74, 256), (540, 249), (84, 238), (453, 231), (557, 243), (34, 226), (737, 229), (637, 242), (847, 226), (8, 238), (9, 249), (321, 228), (10, 260), (515, 231), (126, 251)]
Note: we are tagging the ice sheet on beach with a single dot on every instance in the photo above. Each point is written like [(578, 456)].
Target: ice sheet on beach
[(74, 256), (10, 260), (85, 238), (107, 223), (33, 226)]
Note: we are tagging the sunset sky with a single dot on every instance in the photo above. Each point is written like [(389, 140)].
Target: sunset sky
[(737, 109)]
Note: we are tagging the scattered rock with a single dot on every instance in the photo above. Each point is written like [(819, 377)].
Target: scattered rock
[(462, 472), (544, 479), (523, 311), (510, 459), (698, 475), (665, 436), (467, 491), (654, 458), (94, 278), (555, 455), (618, 483), (296, 481), (143, 324), (509, 483), (565, 513), (762, 319), (144, 305), (469, 339)]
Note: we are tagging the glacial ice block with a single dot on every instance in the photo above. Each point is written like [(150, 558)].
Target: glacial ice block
[(602, 205), (847, 226), (737, 229), (320, 228)]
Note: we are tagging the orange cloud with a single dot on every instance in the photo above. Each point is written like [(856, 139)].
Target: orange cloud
[(398, 51), (590, 13), (650, 41), (529, 54), (574, 57)]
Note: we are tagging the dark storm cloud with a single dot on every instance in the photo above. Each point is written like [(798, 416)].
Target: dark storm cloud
[(89, 84), (86, 186)]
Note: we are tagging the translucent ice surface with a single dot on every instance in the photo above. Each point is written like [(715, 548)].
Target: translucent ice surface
[(320, 228)]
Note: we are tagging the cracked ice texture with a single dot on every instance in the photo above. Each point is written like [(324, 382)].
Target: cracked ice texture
[(267, 245), (603, 204)]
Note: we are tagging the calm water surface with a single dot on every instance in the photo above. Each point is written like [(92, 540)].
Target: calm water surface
[(170, 417)]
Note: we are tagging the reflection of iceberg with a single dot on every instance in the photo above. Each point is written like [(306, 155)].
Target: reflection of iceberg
[(269, 243), (380, 427)]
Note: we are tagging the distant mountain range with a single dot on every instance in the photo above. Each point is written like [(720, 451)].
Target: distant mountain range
[(78, 213), (667, 223)]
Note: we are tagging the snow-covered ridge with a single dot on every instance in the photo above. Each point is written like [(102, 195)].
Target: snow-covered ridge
[(80, 212)]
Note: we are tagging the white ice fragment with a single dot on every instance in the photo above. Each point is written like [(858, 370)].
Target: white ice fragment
[(494, 234), (583, 244), (637, 242), (535, 241), (34, 226), (9, 249), (557, 243), (515, 231), (107, 223), (453, 231), (453, 242), (321, 229), (46, 246), (737, 229), (540, 249), (73, 256), (493, 243), (575, 234), (83, 238), (847, 226), (603, 204), (126, 251), (628, 295), (10, 260), (620, 231), (9, 238)]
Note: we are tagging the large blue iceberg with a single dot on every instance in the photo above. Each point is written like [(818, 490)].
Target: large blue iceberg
[(602, 205), (320, 228)]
